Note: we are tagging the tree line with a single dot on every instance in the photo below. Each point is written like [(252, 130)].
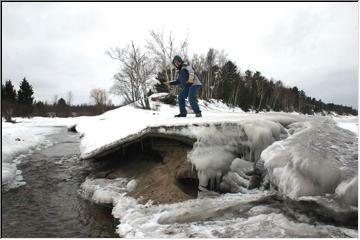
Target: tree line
[(250, 90), (221, 78), (144, 71), (21, 103)]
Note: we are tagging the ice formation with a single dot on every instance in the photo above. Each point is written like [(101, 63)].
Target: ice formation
[(301, 155), (225, 148), (308, 163), (102, 190), (347, 191), (227, 215)]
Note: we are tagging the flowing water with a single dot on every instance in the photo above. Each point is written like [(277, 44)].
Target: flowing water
[(49, 205)]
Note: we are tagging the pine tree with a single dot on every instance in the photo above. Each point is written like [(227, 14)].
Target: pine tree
[(61, 108), (229, 77), (8, 92), (8, 96), (25, 98)]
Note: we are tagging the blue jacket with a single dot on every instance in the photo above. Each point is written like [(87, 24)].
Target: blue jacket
[(181, 79)]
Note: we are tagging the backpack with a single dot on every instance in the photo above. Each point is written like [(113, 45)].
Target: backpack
[(193, 77)]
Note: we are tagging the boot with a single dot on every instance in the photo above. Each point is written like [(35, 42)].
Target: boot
[(198, 114), (180, 115)]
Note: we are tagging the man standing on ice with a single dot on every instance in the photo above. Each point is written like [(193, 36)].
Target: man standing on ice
[(190, 84)]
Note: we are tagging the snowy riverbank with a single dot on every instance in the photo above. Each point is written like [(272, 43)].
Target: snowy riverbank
[(22, 138), (303, 156), (307, 158)]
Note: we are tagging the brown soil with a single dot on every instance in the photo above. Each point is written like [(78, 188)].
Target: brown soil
[(161, 171)]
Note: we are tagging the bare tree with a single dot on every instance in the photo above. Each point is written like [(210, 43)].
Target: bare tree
[(276, 93), (238, 84), (210, 79), (55, 99), (163, 49), (99, 96), (259, 81), (69, 97), (207, 68), (136, 70)]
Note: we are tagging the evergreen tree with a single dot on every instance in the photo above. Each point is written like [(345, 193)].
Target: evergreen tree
[(25, 98), (61, 108), (229, 78), (40, 109), (8, 96), (61, 102), (8, 92)]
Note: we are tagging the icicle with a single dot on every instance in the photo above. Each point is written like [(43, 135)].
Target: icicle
[(203, 179)]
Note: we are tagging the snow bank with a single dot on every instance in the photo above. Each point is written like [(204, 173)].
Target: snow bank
[(310, 157), (110, 129), (314, 160)]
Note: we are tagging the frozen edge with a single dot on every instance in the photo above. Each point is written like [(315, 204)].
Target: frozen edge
[(155, 131), (147, 132)]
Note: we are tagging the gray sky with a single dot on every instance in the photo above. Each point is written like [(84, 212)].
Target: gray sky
[(61, 46)]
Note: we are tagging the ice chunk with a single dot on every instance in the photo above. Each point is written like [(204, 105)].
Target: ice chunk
[(233, 182), (102, 190), (8, 173), (131, 185), (240, 165), (347, 191), (302, 165)]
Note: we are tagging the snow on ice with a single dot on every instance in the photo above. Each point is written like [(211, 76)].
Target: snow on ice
[(227, 215), (300, 155), (300, 164), (350, 123), (314, 160), (303, 155)]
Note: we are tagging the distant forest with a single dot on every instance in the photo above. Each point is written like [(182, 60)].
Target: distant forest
[(21, 103)]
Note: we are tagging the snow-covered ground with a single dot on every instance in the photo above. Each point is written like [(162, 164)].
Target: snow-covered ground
[(22, 138), (303, 156), (107, 130), (350, 123)]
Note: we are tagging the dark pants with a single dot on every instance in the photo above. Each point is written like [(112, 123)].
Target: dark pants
[(191, 92)]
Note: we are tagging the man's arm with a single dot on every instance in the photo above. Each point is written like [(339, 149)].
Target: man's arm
[(174, 82), (183, 77)]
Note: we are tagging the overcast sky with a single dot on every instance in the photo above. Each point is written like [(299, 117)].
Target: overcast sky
[(61, 46)]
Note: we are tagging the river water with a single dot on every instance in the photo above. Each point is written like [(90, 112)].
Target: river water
[(49, 205)]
